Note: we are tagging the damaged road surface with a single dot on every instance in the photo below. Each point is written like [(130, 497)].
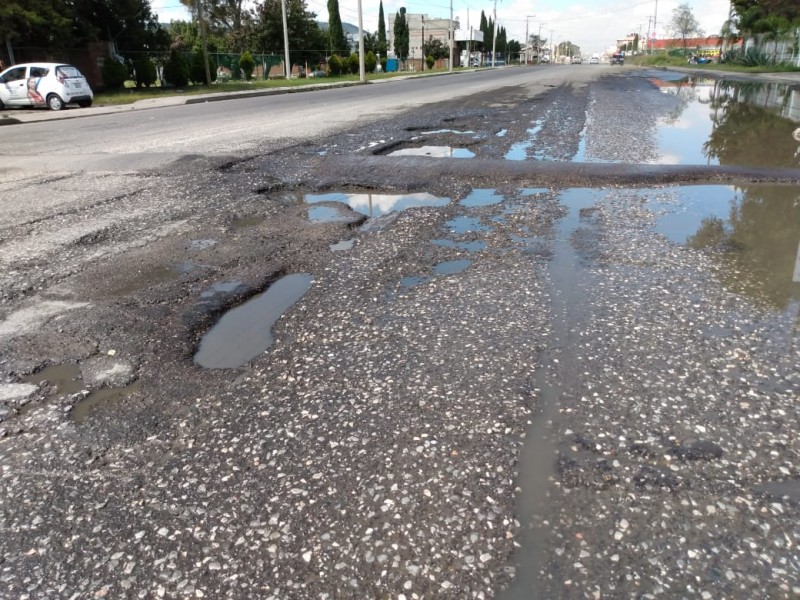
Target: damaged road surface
[(503, 335)]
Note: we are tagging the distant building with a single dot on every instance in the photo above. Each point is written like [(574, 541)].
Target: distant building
[(417, 23), (710, 45)]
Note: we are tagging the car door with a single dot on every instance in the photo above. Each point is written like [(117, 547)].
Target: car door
[(14, 86)]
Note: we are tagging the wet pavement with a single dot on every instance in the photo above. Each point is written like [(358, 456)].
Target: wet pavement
[(502, 382)]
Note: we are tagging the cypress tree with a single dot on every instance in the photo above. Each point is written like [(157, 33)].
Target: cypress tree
[(337, 42), (401, 34), (381, 31)]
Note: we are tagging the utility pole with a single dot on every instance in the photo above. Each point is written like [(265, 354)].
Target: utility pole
[(422, 43), (451, 37), (286, 41), (655, 19), (539, 46), (362, 69), (494, 36), (527, 39)]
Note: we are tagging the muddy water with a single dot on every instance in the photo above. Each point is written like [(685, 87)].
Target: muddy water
[(64, 379), (246, 331), (103, 397)]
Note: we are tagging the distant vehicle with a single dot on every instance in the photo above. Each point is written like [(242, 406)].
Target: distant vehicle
[(618, 58), (51, 85), (594, 60), (576, 60), (544, 59)]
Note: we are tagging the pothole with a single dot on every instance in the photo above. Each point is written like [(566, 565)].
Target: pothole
[(246, 331)]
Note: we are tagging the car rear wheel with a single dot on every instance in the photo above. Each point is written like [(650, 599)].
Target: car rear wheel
[(85, 104), (54, 102)]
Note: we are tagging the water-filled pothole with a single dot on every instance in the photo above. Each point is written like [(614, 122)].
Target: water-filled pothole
[(101, 397), (482, 197), (375, 205), (327, 214), (343, 245), (434, 152), (63, 379), (463, 225), (246, 331)]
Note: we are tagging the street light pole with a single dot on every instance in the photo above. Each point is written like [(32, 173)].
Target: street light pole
[(451, 37), (362, 69), (286, 41), (494, 36)]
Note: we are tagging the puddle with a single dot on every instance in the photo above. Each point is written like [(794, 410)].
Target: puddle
[(753, 232), (519, 151), (375, 205), (730, 123), (102, 397), (482, 197), (502, 133), (326, 214), (343, 245), (409, 282), (451, 267), (63, 379), (245, 222), (465, 225), (434, 152), (246, 331), (224, 287), (475, 246)]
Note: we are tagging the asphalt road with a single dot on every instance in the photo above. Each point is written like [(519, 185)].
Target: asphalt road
[(142, 138), (511, 386)]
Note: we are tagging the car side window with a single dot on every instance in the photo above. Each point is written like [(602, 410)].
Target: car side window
[(14, 75), (39, 71)]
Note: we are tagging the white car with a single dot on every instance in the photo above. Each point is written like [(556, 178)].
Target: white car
[(594, 60), (53, 85)]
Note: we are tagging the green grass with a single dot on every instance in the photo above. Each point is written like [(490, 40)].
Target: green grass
[(132, 94), (663, 60)]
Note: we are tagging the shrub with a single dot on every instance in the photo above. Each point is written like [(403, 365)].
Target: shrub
[(144, 71), (370, 62), (429, 60), (352, 64), (335, 65), (114, 74), (383, 64), (247, 65), (176, 69), (197, 70)]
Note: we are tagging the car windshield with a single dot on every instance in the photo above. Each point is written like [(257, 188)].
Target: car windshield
[(68, 71)]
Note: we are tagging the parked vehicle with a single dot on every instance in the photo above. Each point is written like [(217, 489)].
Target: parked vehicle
[(51, 85), (618, 58), (576, 60)]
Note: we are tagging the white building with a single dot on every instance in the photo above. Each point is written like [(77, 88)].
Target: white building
[(420, 27)]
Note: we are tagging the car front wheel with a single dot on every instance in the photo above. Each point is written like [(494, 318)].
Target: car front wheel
[(54, 102)]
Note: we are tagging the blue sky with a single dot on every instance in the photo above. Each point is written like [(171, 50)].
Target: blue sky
[(592, 25)]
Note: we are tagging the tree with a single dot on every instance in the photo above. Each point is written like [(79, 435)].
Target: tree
[(247, 65), (308, 41), (684, 24), (382, 45), (401, 37), (337, 41), (487, 32), (436, 48)]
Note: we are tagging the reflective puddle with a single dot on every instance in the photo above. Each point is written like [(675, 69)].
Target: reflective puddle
[(524, 150), (246, 331), (102, 397), (730, 123), (435, 152), (375, 205), (482, 197), (327, 214), (451, 267), (343, 245), (753, 233)]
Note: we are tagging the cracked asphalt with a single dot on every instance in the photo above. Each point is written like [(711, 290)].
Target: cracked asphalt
[(579, 408)]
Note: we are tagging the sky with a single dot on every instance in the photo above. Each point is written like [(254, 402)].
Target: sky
[(592, 25)]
